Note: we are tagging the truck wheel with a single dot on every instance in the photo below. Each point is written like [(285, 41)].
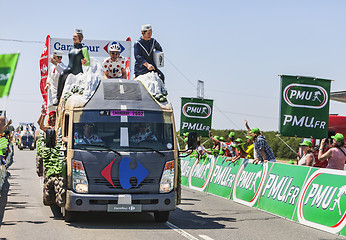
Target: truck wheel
[(161, 216), (68, 215)]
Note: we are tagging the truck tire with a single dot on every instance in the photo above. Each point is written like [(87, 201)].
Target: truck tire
[(48, 192), (39, 166), (68, 215), (60, 191), (161, 216)]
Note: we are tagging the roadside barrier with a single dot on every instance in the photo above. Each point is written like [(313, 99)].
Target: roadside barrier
[(311, 196)]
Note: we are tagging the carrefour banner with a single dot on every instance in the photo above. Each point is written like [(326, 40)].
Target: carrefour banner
[(304, 108), (96, 48), (196, 115), (8, 63)]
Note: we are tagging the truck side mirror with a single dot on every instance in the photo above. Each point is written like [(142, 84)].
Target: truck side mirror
[(192, 140), (50, 138)]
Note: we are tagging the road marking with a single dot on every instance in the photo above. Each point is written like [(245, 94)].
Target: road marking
[(180, 231), (206, 237), (122, 91)]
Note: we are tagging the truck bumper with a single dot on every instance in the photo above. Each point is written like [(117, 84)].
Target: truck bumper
[(97, 202)]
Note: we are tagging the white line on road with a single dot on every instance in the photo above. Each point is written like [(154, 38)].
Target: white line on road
[(180, 231), (122, 89), (206, 237)]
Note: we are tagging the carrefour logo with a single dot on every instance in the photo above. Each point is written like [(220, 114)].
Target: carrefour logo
[(125, 173), (306, 96), (322, 205), (196, 110)]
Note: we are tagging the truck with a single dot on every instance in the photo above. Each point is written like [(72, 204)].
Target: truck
[(120, 152)]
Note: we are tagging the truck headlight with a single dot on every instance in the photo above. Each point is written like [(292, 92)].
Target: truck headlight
[(79, 179), (167, 179)]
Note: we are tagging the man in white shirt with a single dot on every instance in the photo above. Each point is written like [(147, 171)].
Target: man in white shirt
[(53, 77)]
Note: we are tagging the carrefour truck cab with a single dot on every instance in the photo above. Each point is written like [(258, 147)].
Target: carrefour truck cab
[(122, 153)]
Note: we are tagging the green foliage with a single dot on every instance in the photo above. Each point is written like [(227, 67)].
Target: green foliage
[(281, 151)]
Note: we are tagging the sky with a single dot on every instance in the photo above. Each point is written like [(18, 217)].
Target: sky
[(238, 48)]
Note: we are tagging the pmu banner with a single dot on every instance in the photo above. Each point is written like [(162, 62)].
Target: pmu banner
[(44, 63), (186, 164), (322, 202), (196, 115), (249, 182), (8, 63), (304, 108), (201, 172), (222, 179), (282, 188)]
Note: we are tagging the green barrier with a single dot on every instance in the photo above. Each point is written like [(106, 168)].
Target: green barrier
[(222, 179), (282, 188), (186, 165), (249, 182), (320, 204), (200, 173)]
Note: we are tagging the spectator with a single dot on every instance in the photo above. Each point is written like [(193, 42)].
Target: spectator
[(3, 126), (78, 56), (240, 148), (264, 152), (336, 156), (53, 76), (144, 53), (114, 65), (51, 119), (201, 150), (308, 158)]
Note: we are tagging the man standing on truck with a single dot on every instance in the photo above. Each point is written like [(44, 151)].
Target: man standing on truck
[(144, 53), (114, 65)]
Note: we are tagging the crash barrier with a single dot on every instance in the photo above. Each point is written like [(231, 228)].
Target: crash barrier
[(311, 196), (3, 170)]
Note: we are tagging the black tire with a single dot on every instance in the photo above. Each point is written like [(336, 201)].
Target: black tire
[(20, 148), (32, 149), (161, 217), (68, 215)]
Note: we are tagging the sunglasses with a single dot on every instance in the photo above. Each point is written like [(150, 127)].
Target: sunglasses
[(58, 57), (115, 53)]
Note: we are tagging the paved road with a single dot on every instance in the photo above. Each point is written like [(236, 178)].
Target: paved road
[(200, 216)]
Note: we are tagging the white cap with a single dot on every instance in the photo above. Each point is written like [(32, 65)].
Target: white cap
[(57, 53), (78, 31), (146, 27)]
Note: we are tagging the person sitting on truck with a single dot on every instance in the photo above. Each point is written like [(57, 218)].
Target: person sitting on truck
[(307, 159), (114, 65), (143, 133), (144, 53), (78, 56), (336, 156), (88, 135)]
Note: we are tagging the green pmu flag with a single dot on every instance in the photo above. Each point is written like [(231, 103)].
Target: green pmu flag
[(196, 115), (8, 63), (304, 108)]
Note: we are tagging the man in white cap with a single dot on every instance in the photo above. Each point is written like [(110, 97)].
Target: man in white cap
[(114, 65), (53, 76), (144, 53)]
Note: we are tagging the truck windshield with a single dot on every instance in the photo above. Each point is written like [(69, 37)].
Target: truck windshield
[(123, 130)]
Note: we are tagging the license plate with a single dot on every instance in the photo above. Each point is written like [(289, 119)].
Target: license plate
[(124, 208)]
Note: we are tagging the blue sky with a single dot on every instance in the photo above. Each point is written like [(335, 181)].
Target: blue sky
[(238, 48)]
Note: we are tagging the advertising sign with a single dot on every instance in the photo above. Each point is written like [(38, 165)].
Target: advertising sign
[(96, 48), (201, 172), (282, 188), (186, 164), (8, 63), (44, 63), (249, 182), (322, 203), (222, 179), (196, 115), (304, 108)]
